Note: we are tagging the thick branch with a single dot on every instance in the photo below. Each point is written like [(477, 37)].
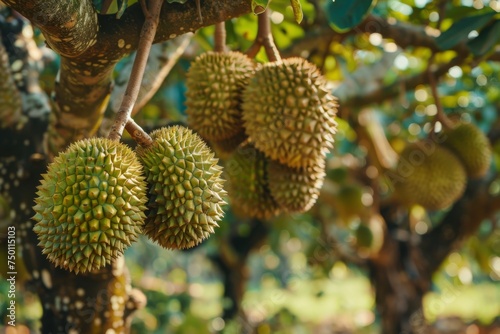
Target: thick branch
[(119, 37), (386, 92), (70, 27), (405, 35), (85, 82)]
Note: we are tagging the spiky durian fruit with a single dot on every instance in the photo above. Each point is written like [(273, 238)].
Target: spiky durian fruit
[(214, 84), (288, 112), (430, 176), (90, 204), (369, 235), (471, 146), (248, 183), (224, 148), (185, 188), (295, 189)]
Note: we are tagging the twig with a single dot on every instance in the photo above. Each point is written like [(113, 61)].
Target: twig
[(220, 37), (440, 116), (198, 7), (148, 32), (264, 39)]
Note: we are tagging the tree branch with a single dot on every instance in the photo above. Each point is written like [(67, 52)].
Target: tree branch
[(405, 35), (83, 88), (385, 92), (161, 60), (132, 91)]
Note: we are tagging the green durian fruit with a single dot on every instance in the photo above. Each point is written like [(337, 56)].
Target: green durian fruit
[(349, 201), (224, 148), (185, 188), (369, 236), (295, 189), (430, 176), (289, 112), (90, 204), (471, 146), (213, 99), (249, 192)]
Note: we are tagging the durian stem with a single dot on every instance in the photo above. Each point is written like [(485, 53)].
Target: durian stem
[(220, 37), (138, 134), (198, 7), (440, 116), (265, 39), (148, 32)]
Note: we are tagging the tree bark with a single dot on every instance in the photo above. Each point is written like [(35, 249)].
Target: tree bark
[(84, 85)]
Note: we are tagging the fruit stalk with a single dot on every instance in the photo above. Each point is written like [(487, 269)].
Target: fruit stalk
[(265, 39), (148, 32), (220, 37), (440, 116)]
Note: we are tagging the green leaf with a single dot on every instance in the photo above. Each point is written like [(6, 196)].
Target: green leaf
[(259, 6), (486, 40), (297, 10), (346, 14), (459, 30)]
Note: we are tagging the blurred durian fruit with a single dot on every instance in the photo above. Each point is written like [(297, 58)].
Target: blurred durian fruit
[(471, 146), (248, 182), (369, 235), (295, 189), (429, 175), (289, 112)]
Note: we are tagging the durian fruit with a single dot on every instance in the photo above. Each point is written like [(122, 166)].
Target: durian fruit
[(213, 99), (185, 188), (471, 146), (349, 201), (369, 236), (249, 192), (432, 177), (288, 112), (90, 204), (225, 147), (295, 189)]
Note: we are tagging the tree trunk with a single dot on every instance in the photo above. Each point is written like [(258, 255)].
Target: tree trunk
[(402, 272)]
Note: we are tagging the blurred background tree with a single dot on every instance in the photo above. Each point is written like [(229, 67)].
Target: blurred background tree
[(358, 262)]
